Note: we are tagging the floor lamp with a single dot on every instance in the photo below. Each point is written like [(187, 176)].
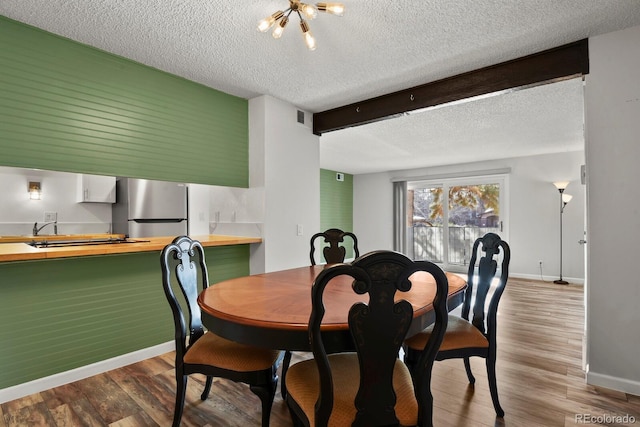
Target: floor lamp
[(564, 199)]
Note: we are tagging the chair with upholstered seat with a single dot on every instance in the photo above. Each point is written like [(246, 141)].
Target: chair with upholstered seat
[(183, 267), (371, 386), (335, 252), (470, 337)]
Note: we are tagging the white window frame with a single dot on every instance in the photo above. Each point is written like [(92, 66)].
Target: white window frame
[(502, 179)]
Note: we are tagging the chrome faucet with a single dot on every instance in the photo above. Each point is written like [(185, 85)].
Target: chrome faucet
[(37, 229)]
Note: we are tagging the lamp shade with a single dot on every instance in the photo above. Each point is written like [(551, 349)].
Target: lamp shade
[(561, 185), (566, 198)]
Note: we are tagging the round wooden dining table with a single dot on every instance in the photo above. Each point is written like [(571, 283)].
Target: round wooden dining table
[(272, 309)]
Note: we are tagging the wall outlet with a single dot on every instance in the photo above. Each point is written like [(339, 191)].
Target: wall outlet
[(50, 216), (540, 263), (299, 230)]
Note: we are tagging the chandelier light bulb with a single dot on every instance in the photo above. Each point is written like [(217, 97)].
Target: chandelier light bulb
[(277, 32), (310, 41), (309, 10), (268, 22), (308, 37), (332, 8)]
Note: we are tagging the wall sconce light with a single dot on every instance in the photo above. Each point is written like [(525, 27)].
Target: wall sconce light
[(564, 199), (35, 190)]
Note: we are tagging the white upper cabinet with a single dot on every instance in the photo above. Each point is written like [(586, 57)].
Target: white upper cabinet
[(96, 188)]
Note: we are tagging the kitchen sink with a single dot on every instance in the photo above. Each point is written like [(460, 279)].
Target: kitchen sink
[(48, 235), (81, 242)]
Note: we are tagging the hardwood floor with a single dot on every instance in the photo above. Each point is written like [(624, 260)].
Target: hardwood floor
[(540, 382)]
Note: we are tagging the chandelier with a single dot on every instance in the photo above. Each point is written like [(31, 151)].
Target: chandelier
[(303, 10)]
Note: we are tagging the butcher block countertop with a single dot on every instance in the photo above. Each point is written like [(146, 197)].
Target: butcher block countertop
[(22, 251)]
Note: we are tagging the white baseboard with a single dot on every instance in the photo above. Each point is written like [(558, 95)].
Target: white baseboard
[(56, 380), (614, 383), (571, 280)]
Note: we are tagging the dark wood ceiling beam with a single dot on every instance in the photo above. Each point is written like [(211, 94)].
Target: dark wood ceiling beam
[(561, 63)]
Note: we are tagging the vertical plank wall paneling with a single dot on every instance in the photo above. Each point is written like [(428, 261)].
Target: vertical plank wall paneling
[(336, 204), (62, 314), (69, 107)]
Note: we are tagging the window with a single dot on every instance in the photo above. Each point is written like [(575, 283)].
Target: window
[(445, 217)]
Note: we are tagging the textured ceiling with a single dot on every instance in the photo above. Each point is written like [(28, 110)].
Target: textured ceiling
[(377, 47), (546, 119)]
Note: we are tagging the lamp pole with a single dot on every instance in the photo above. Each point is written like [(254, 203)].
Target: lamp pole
[(564, 199)]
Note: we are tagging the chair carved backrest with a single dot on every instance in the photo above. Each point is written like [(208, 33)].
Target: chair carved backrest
[(334, 253), (491, 244), (183, 265), (378, 329)]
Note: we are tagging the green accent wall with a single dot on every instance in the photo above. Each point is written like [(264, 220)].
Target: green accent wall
[(336, 204), (70, 107), (66, 313)]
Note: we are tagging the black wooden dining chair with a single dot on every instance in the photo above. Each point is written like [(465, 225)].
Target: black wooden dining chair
[(467, 337), (369, 387), (183, 267), (336, 251), (333, 254)]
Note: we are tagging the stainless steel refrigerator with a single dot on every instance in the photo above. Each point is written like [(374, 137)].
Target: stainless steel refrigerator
[(147, 208)]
